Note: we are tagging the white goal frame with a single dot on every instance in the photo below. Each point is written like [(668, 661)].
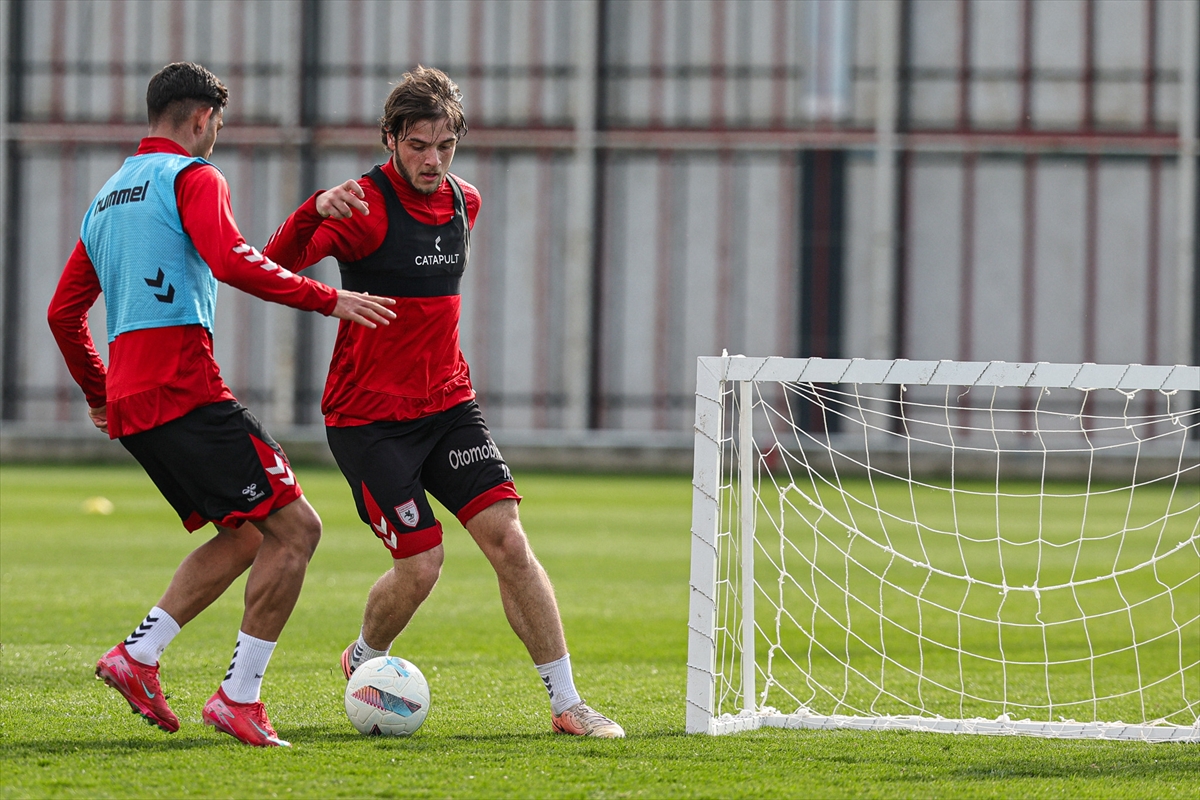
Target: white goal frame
[(713, 432)]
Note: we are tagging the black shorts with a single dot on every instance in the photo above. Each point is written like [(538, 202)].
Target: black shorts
[(391, 465), (216, 464)]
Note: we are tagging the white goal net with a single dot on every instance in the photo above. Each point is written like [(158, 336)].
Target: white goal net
[(949, 546)]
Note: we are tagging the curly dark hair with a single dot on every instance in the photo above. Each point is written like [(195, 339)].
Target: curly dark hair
[(178, 89), (423, 94)]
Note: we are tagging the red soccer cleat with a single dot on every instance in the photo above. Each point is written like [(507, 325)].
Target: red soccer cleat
[(347, 668), (138, 684), (246, 722)]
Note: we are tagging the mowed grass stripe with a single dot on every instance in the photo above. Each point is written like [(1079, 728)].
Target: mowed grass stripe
[(71, 584)]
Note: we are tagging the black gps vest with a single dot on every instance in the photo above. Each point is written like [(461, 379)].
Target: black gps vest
[(414, 260)]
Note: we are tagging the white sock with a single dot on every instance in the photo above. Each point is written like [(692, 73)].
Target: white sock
[(364, 652), (560, 684), (147, 643), (243, 682)]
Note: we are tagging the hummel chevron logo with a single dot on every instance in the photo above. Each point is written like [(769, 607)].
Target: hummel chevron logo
[(281, 468), (254, 257), (384, 533), (249, 253), (437, 243), (156, 283)]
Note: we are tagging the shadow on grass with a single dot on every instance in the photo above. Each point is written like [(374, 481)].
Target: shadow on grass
[(32, 748), (1183, 765)]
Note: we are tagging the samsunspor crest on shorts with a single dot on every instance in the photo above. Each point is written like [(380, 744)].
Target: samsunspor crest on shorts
[(408, 513)]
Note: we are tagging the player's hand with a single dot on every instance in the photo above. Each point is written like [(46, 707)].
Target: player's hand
[(341, 202), (367, 310), (99, 417)]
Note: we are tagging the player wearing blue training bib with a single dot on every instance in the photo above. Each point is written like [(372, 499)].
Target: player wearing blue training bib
[(155, 241)]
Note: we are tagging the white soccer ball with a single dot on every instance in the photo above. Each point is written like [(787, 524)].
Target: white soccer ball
[(387, 696)]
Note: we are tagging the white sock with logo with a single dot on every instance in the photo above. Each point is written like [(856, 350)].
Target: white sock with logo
[(364, 652), (560, 683), (148, 641), (243, 681)]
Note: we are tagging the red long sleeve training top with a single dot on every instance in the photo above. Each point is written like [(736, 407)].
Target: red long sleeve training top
[(156, 375), (412, 368)]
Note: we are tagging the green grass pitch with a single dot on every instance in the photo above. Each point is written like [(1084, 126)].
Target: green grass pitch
[(72, 584)]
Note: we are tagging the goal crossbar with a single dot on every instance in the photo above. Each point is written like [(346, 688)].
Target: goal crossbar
[(729, 467)]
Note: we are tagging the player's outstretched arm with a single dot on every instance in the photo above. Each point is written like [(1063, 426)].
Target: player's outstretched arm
[(365, 309)]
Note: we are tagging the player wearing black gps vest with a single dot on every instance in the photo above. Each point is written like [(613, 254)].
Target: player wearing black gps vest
[(400, 413)]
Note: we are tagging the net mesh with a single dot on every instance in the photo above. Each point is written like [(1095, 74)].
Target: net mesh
[(982, 554)]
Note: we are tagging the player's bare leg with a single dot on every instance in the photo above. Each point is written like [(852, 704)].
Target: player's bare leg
[(398, 594), (525, 588), (132, 666), (209, 570), (289, 538), (532, 611)]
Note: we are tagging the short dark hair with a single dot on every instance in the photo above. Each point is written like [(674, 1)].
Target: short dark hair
[(178, 89), (423, 94)]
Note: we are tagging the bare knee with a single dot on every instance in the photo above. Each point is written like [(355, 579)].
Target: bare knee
[(420, 573), (296, 526), (498, 532)]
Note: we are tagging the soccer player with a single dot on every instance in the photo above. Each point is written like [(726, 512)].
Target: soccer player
[(400, 413), (155, 241)]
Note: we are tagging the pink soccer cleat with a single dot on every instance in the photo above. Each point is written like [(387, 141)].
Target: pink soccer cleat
[(347, 665), (138, 684), (580, 720), (246, 722)]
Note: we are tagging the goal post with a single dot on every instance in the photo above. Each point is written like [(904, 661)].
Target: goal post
[(967, 547)]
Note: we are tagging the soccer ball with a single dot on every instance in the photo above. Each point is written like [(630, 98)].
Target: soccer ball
[(387, 696)]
